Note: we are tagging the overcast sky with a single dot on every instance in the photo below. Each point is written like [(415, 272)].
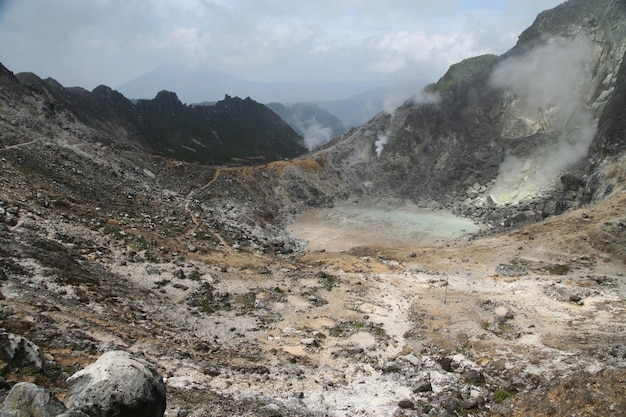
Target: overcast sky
[(92, 42)]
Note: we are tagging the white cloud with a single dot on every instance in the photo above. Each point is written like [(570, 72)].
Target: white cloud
[(396, 51), (110, 41)]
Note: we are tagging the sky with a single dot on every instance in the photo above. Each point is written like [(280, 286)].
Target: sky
[(91, 42)]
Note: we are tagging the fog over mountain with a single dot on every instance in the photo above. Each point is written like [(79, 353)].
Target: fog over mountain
[(200, 85)]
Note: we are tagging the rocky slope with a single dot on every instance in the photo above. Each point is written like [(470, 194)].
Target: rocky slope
[(514, 126), (231, 131), (104, 246)]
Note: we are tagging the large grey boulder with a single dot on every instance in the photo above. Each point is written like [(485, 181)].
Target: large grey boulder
[(117, 385), (29, 400)]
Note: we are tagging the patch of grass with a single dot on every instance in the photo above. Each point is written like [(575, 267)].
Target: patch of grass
[(501, 395), (194, 275), (328, 281), (245, 302), (557, 269), (348, 328), (460, 71)]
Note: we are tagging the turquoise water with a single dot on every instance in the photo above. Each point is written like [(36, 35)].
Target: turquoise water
[(348, 225)]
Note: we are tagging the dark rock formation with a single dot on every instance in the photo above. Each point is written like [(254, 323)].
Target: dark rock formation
[(231, 131), (19, 352)]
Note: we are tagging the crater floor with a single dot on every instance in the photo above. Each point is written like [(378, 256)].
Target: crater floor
[(349, 225)]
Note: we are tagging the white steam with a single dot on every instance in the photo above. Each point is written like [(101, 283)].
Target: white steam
[(315, 135), (380, 143), (547, 91), (392, 102)]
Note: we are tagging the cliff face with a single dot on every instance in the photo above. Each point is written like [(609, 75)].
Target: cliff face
[(513, 125)]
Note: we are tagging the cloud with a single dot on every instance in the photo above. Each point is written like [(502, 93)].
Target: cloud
[(111, 41), (397, 50)]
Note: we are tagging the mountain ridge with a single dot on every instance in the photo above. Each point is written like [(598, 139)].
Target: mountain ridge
[(230, 130)]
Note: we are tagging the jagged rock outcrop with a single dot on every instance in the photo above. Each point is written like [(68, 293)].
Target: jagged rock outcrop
[(233, 130), (118, 385), (18, 352)]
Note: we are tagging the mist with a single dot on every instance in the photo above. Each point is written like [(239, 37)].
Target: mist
[(381, 141), (548, 91), (315, 135), (392, 102)]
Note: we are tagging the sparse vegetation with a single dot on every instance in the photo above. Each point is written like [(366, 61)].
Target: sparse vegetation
[(461, 71), (501, 395)]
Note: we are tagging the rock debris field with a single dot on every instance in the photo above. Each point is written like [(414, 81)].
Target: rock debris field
[(471, 326)]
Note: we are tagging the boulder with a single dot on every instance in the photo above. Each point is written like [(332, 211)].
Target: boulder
[(20, 352), (117, 385), (29, 400)]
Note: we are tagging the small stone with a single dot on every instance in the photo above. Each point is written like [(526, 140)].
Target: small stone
[(445, 363), (390, 366), (575, 298), (473, 376), (153, 270), (20, 352), (422, 386), (406, 404), (451, 404), (309, 341), (503, 314), (192, 248), (273, 409), (411, 358)]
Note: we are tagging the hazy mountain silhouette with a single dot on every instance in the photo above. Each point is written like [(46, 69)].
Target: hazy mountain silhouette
[(202, 85)]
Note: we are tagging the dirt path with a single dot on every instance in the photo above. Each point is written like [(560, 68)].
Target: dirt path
[(189, 200), (20, 145)]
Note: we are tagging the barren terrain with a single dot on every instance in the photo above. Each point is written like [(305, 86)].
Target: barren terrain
[(375, 318), (321, 285)]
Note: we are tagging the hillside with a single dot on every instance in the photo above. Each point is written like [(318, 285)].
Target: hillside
[(114, 236), (316, 125), (232, 130)]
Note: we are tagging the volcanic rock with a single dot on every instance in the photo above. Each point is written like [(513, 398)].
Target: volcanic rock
[(117, 384), (29, 400)]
